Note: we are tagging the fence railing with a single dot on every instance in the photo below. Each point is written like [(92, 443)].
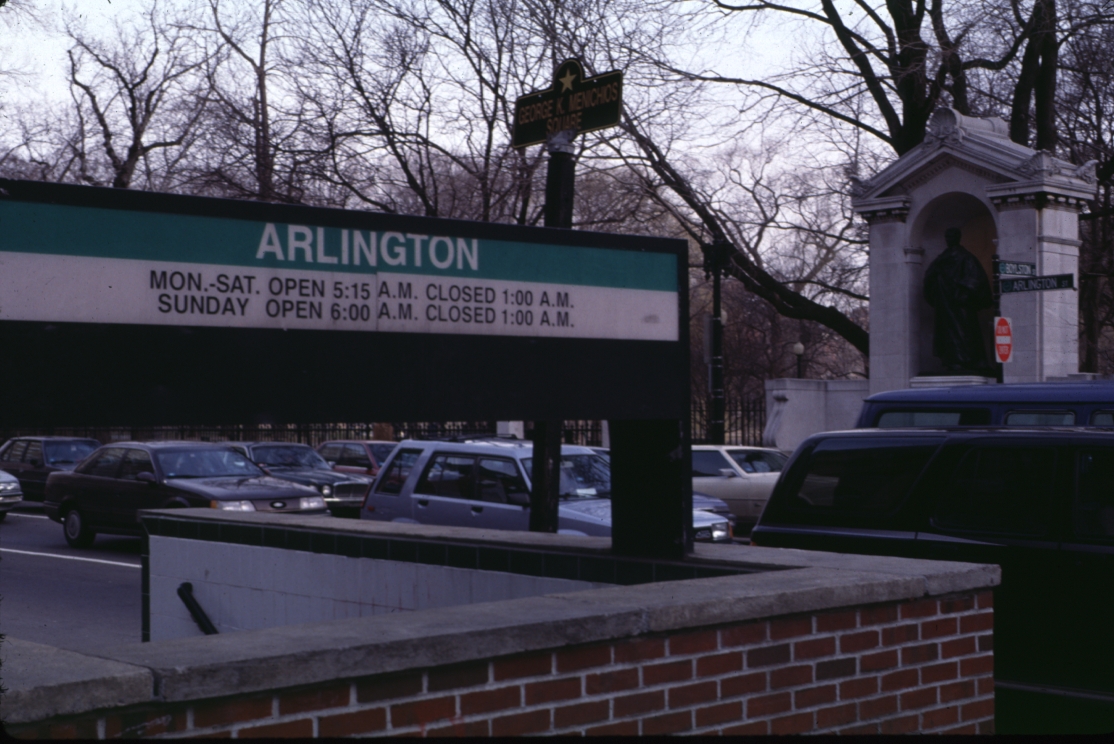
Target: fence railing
[(744, 421)]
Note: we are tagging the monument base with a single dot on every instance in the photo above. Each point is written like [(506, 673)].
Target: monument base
[(927, 381)]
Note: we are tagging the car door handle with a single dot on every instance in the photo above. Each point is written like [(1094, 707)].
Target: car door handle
[(477, 509), (423, 502)]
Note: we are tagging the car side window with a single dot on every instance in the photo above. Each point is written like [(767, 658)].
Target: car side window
[(708, 463), (135, 462), (355, 455), (394, 478), (331, 452), (1093, 509), (964, 417), (998, 489), (449, 475), (498, 479), (382, 452), (34, 451), (1098, 418), (105, 463), (1040, 418), (15, 452)]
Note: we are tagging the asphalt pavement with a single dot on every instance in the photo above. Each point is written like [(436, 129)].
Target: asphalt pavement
[(81, 600)]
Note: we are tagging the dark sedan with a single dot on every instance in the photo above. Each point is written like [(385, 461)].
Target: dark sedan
[(299, 463), (107, 490), (32, 459)]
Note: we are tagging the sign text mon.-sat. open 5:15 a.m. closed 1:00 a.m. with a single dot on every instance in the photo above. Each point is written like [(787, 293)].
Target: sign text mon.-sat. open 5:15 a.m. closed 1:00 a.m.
[(83, 264)]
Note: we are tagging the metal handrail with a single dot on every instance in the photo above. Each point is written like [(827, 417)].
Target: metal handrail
[(185, 592)]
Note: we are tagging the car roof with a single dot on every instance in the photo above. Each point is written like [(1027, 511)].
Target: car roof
[(282, 444), (973, 432), (492, 446), (1095, 391), (734, 447), (358, 441), (169, 444), (56, 438)]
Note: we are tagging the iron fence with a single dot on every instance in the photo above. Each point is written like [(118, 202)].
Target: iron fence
[(744, 421)]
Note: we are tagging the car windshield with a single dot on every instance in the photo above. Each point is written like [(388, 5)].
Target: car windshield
[(758, 461), (582, 476), (205, 463), (288, 456), (67, 453), (382, 452)]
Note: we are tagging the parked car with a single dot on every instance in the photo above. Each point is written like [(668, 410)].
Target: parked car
[(744, 477), (1038, 502), (107, 490), (487, 484), (300, 463), (32, 459), (1029, 404), (362, 456), (11, 495)]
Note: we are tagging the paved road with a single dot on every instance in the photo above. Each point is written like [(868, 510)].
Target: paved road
[(54, 594)]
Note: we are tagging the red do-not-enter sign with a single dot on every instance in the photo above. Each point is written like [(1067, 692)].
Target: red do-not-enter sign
[(1003, 340)]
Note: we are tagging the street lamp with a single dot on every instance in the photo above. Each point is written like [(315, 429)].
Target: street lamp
[(799, 350), (716, 256)]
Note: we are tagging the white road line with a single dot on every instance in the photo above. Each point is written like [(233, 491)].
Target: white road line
[(30, 516), (71, 558)]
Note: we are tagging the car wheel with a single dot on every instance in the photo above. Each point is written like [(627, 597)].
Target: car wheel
[(76, 529)]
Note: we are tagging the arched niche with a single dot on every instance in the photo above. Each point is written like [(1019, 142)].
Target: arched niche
[(980, 236)]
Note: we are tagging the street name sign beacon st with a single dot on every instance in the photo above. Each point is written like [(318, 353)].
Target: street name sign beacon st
[(574, 103)]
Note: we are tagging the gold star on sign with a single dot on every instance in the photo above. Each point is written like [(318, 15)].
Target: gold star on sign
[(566, 81)]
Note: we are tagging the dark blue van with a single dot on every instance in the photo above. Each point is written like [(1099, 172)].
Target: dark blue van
[(1089, 403)]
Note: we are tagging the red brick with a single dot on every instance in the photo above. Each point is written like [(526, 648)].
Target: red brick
[(321, 698), (350, 724), (977, 709), (812, 696), (639, 649), (814, 648), (514, 667), (877, 707), (521, 724), (689, 695), (860, 730), (857, 688), (299, 729), (850, 643), (606, 682), (880, 660), (939, 672), (486, 701), (552, 689), (959, 690), (985, 599), (743, 684), (236, 710), (957, 604), (743, 635), (670, 671), (768, 705), (965, 730), (719, 713), (717, 664), (798, 723), (459, 728), (758, 657), (842, 620), (670, 723), (986, 685), (986, 727), (919, 608), (622, 728), (976, 623), (582, 657), (755, 728), (921, 698), (902, 725), (790, 676), (455, 676), (581, 713), (388, 687), (77, 729), (790, 627), (837, 715), (976, 666), (835, 669), (957, 647), (986, 643), (920, 654), (900, 634), (146, 723), (425, 711), (693, 643), (940, 717), (900, 680), (939, 628), (642, 702), (877, 614)]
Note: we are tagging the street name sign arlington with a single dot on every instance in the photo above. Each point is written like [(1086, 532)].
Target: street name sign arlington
[(574, 103)]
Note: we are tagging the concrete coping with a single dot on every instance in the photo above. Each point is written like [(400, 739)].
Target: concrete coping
[(780, 582)]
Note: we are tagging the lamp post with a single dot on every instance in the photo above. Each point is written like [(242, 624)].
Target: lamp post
[(799, 351), (716, 256)]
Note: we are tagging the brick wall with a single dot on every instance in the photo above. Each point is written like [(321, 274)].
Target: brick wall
[(925, 665)]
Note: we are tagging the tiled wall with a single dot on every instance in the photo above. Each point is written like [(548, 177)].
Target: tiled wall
[(245, 587), (924, 665)]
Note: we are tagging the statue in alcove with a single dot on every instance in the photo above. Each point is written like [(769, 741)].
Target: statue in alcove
[(956, 286)]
